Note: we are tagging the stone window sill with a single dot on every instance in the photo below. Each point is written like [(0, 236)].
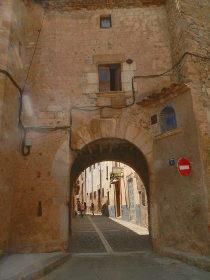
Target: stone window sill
[(110, 93), (168, 133)]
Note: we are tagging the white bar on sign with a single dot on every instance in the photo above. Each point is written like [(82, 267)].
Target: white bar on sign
[(184, 167)]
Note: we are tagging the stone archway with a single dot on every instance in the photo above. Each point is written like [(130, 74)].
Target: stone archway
[(113, 149), (174, 202)]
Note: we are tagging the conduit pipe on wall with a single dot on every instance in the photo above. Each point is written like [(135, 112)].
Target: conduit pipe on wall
[(25, 147), (84, 108), (20, 124), (95, 108)]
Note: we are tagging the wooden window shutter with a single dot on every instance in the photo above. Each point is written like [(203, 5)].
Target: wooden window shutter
[(117, 77), (104, 78)]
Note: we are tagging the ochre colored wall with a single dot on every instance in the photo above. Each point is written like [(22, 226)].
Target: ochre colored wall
[(182, 212), (67, 47), (5, 153), (15, 55), (188, 26), (66, 5), (64, 73)]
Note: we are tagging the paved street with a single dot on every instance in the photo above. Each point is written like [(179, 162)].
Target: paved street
[(104, 249)]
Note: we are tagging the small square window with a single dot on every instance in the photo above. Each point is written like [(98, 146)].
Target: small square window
[(153, 119), (105, 22)]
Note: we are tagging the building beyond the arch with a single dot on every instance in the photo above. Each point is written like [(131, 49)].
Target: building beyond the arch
[(115, 189)]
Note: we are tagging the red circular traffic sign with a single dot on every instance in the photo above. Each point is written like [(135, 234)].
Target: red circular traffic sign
[(184, 167)]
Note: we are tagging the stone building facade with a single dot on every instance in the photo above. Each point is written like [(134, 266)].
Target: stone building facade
[(116, 191), (55, 120)]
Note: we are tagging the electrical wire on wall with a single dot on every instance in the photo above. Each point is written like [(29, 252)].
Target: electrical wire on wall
[(94, 108), (34, 52), (25, 149)]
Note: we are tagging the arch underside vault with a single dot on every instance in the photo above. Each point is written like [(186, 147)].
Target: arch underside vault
[(113, 149)]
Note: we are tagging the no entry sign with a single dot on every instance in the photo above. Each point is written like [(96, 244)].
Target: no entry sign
[(184, 167)]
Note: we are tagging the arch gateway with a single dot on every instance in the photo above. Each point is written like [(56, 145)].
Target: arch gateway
[(94, 81)]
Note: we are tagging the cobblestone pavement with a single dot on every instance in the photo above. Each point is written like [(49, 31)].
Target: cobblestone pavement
[(104, 249)]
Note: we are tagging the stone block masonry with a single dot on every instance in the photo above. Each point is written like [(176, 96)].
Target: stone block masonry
[(189, 19), (64, 73), (97, 4), (15, 54)]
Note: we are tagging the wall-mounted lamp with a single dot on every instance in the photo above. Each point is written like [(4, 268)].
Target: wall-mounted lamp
[(28, 142), (26, 145), (129, 61)]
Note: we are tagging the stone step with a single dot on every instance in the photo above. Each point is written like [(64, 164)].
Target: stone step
[(36, 270)]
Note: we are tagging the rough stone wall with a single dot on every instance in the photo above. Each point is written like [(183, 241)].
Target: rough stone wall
[(39, 219), (72, 65), (14, 58), (188, 26), (176, 194), (63, 73), (64, 5), (68, 46), (26, 214), (5, 160)]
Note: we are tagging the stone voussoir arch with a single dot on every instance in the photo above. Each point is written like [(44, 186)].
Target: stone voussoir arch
[(97, 129), (111, 139), (114, 149), (100, 135), (108, 139)]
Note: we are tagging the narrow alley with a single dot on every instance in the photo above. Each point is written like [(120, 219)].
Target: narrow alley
[(102, 248)]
